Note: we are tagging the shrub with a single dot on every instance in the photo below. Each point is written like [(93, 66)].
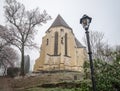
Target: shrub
[(12, 72)]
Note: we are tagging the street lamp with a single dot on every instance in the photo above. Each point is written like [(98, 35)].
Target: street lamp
[(85, 21)]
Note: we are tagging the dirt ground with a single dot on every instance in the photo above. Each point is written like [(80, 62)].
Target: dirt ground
[(5, 84)]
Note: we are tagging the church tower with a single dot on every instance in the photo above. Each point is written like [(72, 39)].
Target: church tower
[(60, 49)]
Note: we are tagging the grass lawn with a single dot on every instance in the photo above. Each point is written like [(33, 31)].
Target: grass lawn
[(52, 89)]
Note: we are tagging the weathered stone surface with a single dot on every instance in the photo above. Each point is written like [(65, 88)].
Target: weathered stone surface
[(60, 50), (46, 78)]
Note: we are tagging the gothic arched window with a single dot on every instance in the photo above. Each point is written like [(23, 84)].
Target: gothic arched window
[(66, 44), (47, 42), (62, 40), (56, 44)]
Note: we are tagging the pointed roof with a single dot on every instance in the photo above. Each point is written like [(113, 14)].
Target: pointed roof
[(79, 45), (59, 21)]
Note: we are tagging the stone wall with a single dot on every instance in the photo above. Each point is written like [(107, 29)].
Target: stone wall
[(46, 78)]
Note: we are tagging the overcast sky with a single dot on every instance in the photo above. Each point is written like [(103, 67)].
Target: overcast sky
[(105, 17)]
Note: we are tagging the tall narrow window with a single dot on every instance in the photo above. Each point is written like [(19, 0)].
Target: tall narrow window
[(56, 44), (47, 42), (62, 40), (66, 44)]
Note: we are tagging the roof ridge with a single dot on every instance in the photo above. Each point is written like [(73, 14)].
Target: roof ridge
[(59, 21)]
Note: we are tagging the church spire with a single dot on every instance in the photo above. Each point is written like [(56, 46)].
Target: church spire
[(59, 21)]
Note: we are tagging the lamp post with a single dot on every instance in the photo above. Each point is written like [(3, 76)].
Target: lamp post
[(85, 21)]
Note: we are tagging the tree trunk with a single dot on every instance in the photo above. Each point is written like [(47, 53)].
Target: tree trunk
[(5, 69), (22, 61)]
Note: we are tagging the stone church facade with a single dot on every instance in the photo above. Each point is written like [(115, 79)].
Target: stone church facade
[(60, 49)]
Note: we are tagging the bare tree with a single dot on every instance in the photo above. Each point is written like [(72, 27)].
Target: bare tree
[(96, 41), (100, 49), (8, 57), (117, 48), (5, 37), (22, 25)]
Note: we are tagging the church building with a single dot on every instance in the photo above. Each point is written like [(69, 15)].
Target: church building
[(60, 49)]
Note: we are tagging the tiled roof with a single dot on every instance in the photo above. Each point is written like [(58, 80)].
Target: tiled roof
[(79, 45), (59, 21)]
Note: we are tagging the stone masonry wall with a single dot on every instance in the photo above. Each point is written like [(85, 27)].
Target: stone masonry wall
[(45, 78)]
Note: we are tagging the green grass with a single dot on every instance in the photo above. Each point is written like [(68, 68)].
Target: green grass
[(64, 86), (52, 89)]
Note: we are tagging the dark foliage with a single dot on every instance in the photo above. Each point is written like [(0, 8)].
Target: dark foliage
[(12, 72)]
